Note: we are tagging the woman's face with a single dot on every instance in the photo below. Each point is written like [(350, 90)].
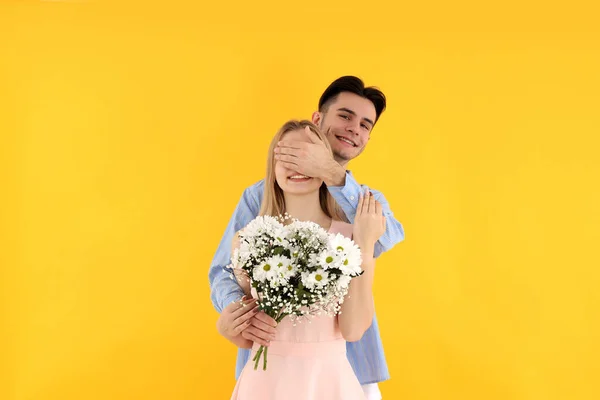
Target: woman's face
[(291, 181)]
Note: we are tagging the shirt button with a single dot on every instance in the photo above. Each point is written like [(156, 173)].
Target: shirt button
[(351, 197)]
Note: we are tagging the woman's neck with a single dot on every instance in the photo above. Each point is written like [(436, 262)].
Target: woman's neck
[(306, 207)]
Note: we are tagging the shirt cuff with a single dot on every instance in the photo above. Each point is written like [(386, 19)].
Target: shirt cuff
[(236, 296)]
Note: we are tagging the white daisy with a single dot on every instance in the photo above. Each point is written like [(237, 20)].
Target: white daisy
[(265, 271), (343, 282), (353, 259), (316, 279), (294, 251), (289, 270), (348, 253), (340, 243), (283, 268), (328, 259)]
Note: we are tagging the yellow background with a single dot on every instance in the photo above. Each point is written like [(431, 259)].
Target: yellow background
[(128, 132)]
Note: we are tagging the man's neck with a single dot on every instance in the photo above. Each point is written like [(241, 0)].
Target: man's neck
[(344, 163)]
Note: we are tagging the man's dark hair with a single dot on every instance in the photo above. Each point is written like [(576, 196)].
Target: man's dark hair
[(355, 85)]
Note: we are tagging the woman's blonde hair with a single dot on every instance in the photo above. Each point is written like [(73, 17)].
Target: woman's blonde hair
[(273, 202)]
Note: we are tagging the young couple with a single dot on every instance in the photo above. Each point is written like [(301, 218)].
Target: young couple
[(332, 358)]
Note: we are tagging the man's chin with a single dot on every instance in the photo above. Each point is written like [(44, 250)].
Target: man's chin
[(342, 157)]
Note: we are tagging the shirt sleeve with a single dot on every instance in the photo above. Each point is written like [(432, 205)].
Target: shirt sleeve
[(224, 288)]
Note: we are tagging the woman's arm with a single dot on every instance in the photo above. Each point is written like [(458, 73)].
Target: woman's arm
[(358, 307)]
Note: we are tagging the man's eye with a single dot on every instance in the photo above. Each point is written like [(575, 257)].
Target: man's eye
[(344, 116)]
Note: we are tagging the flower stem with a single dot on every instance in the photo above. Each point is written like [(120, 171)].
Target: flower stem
[(282, 316), (257, 356), (265, 359)]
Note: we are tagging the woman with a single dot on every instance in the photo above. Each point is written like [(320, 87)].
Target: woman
[(308, 360)]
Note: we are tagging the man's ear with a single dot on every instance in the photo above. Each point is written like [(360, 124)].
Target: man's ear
[(316, 118)]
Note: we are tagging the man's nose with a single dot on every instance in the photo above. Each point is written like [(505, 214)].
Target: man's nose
[(353, 127)]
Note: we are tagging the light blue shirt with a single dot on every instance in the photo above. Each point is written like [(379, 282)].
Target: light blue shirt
[(365, 355)]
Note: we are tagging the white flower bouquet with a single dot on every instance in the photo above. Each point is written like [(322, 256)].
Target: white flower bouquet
[(297, 269)]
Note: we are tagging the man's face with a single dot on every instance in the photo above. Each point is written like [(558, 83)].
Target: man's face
[(347, 123)]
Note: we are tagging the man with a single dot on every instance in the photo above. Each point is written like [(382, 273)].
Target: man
[(347, 113)]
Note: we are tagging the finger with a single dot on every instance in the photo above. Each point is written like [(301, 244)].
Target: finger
[(244, 318), (240, 307), (287, 150), (378, 208), (246, 300), (293, 144), (383, 221), (312, 137), (244, 310), (372, 204), (286, 158), (249, 334), (245, 334), (261, 333), (365, 207), (360, 204), (289, 165), (265, 319), (241, 327), (369, 200)]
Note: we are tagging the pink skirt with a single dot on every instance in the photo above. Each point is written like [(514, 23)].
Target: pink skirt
[(300, 371)]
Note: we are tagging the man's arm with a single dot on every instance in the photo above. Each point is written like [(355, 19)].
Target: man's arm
[(224, 289), (346, 193), (315, 159)]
